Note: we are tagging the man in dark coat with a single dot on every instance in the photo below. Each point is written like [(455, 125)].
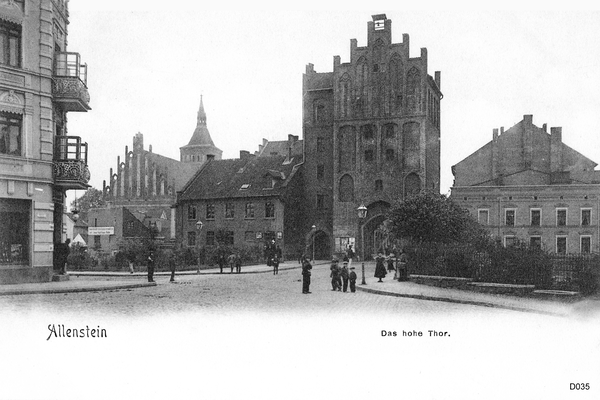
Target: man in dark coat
[(151, 266), (306, 267), (335, 275), (172, 266), (345, 276), (352, 277), (66, 250)]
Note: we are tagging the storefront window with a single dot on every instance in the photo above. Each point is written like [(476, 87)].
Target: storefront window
[(14, 231)]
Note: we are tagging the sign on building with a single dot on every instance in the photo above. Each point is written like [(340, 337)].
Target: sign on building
[(101, 230)]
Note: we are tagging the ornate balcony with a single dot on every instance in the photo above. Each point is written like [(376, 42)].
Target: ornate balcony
[(69, 82), (70, 163)]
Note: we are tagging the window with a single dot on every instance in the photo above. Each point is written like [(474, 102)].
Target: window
[(228, 238), (229, 210), (14, 231), (191, 236), (378, 185), (320, 202), (368, 132), (509, 217), (249, 236), (10, 134), (97, 243), (249, 210), (10, 44), (320, 144), (389, 154), (535, 242), (535, 216), (269, 210), (561, 244), (586, 216), (210, 211), (388, 131), (509, 240), (483, 216), (130, 225), (585, 244), (561, 217), (375, 67), (319, 113), (191, 212), (210, 238), (369, 156), (320, 172)]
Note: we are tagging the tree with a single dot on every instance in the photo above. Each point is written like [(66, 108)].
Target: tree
[(434, 218), (91, 199)]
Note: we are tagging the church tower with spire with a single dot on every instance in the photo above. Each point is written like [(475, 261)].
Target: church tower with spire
[(200, 148)]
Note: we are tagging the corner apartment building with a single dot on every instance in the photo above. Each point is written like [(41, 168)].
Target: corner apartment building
[(527, 185), (40, 83)]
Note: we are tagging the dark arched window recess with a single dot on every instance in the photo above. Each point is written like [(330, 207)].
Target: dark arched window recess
[(412, 184), (346, 189)]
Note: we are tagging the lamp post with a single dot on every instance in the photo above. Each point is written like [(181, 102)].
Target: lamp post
[(362, 214), (199, 225), (314, 229)]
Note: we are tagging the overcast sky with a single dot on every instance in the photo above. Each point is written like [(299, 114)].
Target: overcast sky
[(148, 66)]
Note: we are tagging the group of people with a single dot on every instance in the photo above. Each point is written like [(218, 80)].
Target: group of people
[(233, 260), (340, 277), (381, 261)]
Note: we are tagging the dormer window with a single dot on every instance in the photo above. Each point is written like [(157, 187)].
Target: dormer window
[(245, 186)]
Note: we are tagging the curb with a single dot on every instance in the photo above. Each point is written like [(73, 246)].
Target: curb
[(76, 290), (458, 301)]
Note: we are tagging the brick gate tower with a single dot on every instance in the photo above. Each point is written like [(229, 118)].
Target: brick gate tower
[(372, 136)]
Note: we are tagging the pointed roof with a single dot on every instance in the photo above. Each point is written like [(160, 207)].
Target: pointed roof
[(201, 136)]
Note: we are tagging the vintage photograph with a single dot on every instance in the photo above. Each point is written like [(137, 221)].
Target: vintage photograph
[(325, 203)]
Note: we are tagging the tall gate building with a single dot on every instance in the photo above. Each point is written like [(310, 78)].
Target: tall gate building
[(372, 136)]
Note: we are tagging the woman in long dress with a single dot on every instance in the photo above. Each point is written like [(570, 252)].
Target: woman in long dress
[(380, 271)]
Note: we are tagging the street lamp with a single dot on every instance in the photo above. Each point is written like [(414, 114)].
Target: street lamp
[(362, 214), (314, 229), (199, 225)]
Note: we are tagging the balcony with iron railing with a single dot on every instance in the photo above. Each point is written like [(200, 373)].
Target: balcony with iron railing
[(70, 163), (69, 82)]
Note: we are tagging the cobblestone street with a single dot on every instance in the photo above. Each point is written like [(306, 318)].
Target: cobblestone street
[(226, 293)]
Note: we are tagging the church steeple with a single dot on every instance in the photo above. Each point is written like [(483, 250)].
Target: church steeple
[(201, 146), (201, 113)]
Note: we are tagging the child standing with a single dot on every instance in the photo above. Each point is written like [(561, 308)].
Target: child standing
[(352, 277)]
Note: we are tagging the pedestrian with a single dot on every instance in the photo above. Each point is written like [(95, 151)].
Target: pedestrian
[(66, 250), (380, 267), (238, 264), (277, 260), (390, 262), (221, 261), (344, 274), (350, 254), (131, 260), (335, 275), (306, 267), (231, 262), (172, 266), (352, 278), (401, 273), (150, 261)]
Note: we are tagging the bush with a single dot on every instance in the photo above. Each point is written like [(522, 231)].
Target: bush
[(79, 258)]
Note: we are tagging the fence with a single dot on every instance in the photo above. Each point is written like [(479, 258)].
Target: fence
[(512, 265)]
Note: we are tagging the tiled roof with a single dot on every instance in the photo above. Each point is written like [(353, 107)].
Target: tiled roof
[(280, 148), (239, 178)]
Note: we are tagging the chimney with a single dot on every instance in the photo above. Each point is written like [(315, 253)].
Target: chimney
[(501, 130), (495, 134), (545, 128), (244, 154), (556, 149), (527, 143), (150, 148), (310, 68)]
